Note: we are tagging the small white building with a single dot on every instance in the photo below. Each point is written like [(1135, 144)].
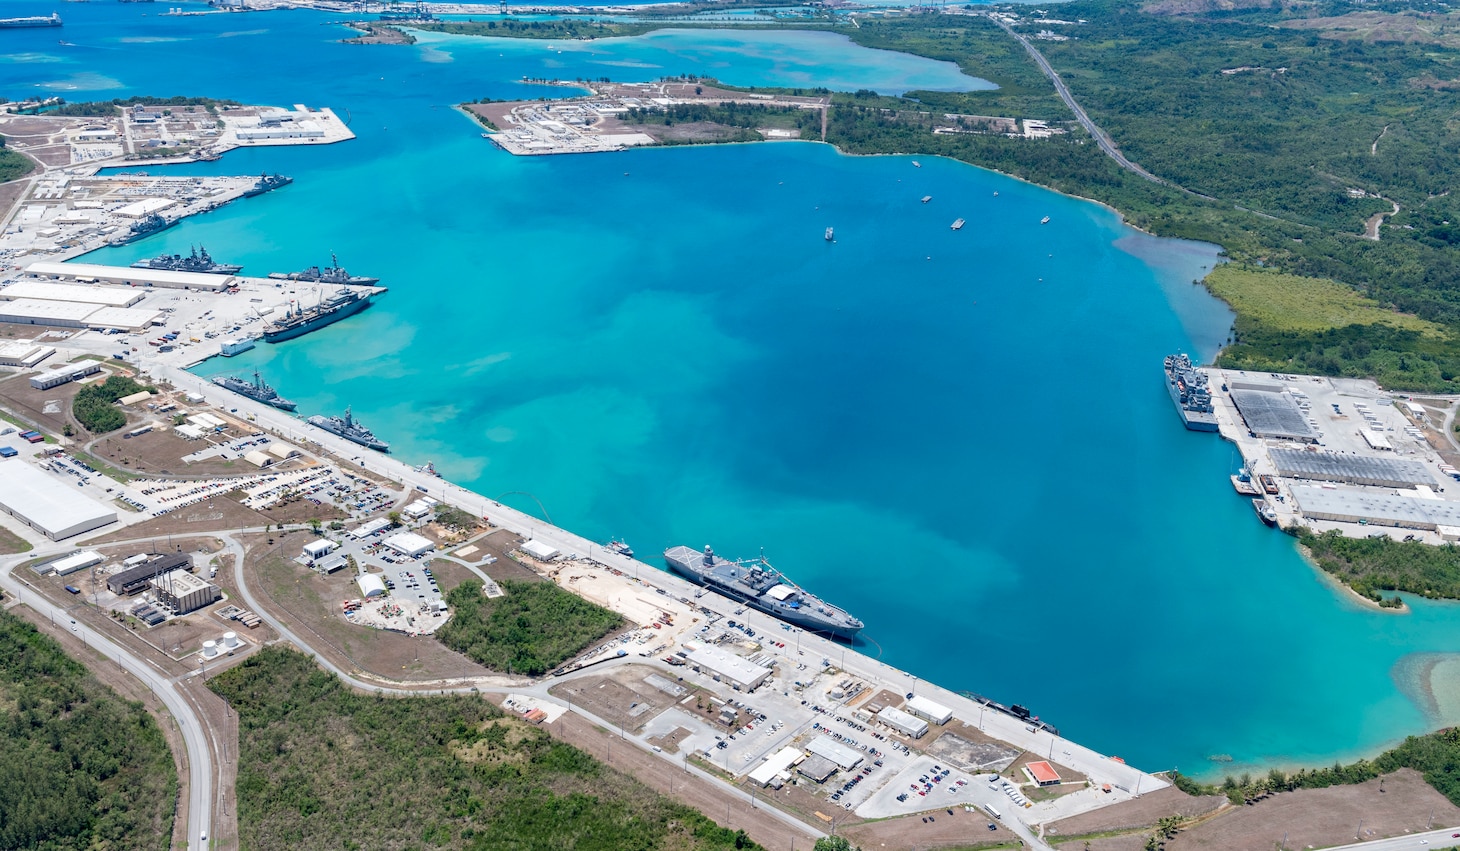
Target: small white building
[(540, 551), (376, 525), (902, 722), (777, 767), (77, 561), (740, 673), (371, 585), (410, 544), (829, 748), (420, 508), (929, 709), (259, 458), (316, 550)]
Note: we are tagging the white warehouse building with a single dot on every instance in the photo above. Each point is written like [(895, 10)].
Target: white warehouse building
[(48, 505), (902, 722), (931, 710)]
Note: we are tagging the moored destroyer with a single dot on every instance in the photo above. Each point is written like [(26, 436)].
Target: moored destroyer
[(198, 261), (256, 390), (760, 586), (350, 430), (1190, 393), (144, 227), (267, 183), (332, 274)]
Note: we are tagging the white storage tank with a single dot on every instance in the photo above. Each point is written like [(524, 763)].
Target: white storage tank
[(210, 649), (230, 640)]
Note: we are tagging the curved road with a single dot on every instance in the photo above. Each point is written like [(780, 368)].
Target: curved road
[(1094, 130), (200, 763)]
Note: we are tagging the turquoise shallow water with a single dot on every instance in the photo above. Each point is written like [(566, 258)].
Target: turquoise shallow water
[(962, 437)]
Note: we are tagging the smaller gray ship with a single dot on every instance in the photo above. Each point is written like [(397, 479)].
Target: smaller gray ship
[(143, 228), (760, 586), (332, 274), (256, 390), (1189, 391), (198, 261), (350, 430), (267, 183)]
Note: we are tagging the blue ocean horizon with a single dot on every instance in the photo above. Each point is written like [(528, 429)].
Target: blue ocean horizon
[(962, 437)]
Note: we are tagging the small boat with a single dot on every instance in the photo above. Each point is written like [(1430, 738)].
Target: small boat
[(1265, 512), (927, 198), (1044, 221), (996, 193), (957, 225), (1244, 486), (830, 234), (619, 547), (917, 164), (1269, 484)]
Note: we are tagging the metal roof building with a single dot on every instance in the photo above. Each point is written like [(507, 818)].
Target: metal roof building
[(63, 374), (370, 528), (903, 722), (23, 353), (1270, 412), (128, 276), (370, 584), (1346, 505), (109, 296), (929, 709), (135, 578), (124, 318), (409, 544), (183, 592), (34, 311), (1385, 472), (74, 562), (48, 504), (739, 672), (829, 748), (777, 765)]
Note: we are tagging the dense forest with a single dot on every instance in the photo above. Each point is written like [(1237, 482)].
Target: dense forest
[(12, 164), (535, 628), (322, 767), (107, 108), (1372, 566), (80, 768), (95, 404)]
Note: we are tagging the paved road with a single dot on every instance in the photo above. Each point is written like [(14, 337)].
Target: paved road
[(199, 815), (1094, 130), (1445, 838)]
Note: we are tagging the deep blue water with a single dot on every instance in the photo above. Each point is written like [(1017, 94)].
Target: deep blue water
[(960, 436)]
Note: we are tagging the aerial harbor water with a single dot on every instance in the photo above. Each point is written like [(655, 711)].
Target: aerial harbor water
[(961, 437)]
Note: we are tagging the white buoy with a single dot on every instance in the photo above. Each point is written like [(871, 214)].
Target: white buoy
[(210, 649), (230, 639)]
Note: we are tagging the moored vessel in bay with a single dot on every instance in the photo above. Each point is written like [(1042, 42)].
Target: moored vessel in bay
[(301, 320), (1190, 393), (267, 183), (762, 587), (350, 430), (619, 547), (198, 261), (1265, 512), (51, 20), (332, 274), (957, 225), (144, 227), (256, 390)]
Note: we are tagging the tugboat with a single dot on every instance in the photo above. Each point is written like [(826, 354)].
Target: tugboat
[(256, 390), (619, 547), (198, 261), (1265, 512), (268, 183), (144, 227), (333, 274), (350, 430), (760, 586)]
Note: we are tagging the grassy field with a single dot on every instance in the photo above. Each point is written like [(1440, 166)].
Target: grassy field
[(11, 543), (79, 767), (322, 767), (535, 628), (1293, 303)]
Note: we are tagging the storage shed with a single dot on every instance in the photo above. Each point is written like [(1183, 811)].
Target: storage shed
[(283, 451), (370, 584), (259, 458), (74, 562), (540, 551)]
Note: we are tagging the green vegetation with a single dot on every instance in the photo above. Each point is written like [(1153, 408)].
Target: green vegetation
[(535, 628), (512, 28), (79, 767), (323, 767), (11, 543), (107, 108), (13, 165), (1436, 756), (94, 406), (454, 518), (1373, 565), (834, 843)]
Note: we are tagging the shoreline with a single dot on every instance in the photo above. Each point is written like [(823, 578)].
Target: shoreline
[(1329, 578)]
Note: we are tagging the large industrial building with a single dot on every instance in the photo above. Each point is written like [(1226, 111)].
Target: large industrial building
[(410, 544), (64, 374), (48, 505), (23, 353), (1385, 472), (1349, 505), (740, 673), (1270, 412), (183, 592), (134, 577), (76, 314), (45, 290), (127, 276)]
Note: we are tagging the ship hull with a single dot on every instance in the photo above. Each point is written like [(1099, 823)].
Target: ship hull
[(323, 425), (133, 237), (215, 270), (1193, 420), (808, 623), (316, 323)]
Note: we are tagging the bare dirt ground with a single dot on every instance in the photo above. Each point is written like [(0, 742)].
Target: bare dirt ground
[(32, 405), (961, 830), (449, 574), (310, 604), (621, 697), (11, 543), (1323, 817), (1407, 27), (1136, 814), (659, 775), (219, 514)]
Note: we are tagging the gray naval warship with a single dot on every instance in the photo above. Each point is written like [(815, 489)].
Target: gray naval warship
[(256, 390), (199, 261), (1190, 393), (760, 586), (332, 274), (350, 430)]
